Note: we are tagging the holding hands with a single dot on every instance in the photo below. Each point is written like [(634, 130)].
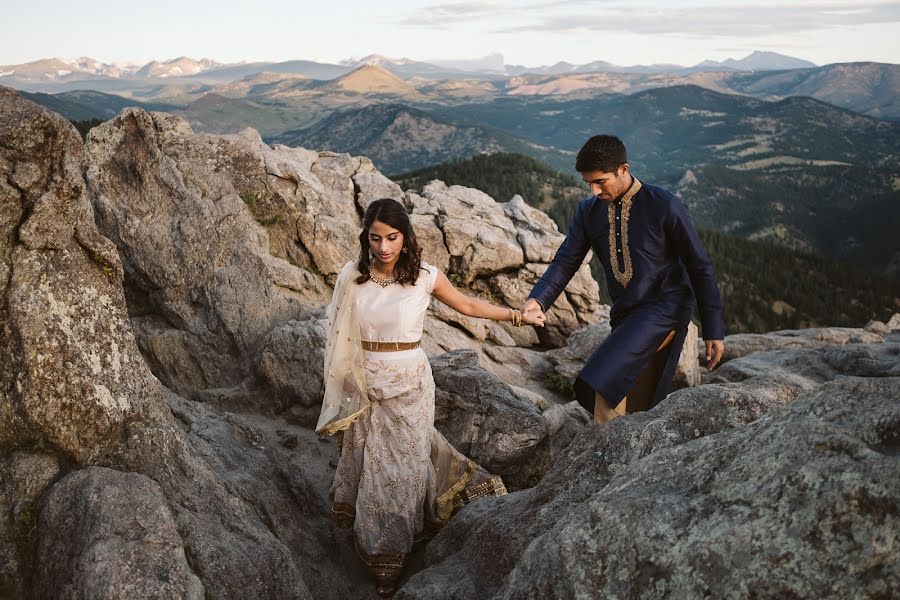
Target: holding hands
[(532, 313)]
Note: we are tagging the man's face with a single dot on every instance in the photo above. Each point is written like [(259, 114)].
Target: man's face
[(608, 186)]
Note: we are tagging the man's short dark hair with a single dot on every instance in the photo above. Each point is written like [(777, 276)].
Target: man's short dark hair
[(601, 153)]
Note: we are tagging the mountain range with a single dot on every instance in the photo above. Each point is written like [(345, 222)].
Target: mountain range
[(755, 153), (317, 89), (400, 138), (60, 69), (86, 68), (757, 61)]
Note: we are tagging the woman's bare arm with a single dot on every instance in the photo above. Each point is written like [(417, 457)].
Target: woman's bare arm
[(473, 307)]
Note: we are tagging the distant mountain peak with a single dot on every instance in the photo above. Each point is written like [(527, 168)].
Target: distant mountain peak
[(176, 67), (382, 61), (759, 60), (371, 79)]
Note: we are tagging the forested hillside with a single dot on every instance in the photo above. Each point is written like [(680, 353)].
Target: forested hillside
[(765, 286)]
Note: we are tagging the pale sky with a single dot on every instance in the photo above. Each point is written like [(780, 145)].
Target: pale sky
[(530, 32)]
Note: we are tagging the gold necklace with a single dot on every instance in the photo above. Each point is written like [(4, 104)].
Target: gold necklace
[(382, 281)]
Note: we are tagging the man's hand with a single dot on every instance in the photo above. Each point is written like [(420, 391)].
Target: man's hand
[(534, 317), (532, 313), (715, 349), (531, 304)]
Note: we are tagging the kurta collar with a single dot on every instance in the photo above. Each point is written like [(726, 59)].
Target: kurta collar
[(629, 194)]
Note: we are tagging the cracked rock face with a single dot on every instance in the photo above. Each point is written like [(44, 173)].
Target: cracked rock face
[(75, 392), (127, 542), (776, 482), (224, 239), (66, 346), (185, 211)]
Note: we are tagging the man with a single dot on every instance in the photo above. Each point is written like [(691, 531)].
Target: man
[(654, 265)]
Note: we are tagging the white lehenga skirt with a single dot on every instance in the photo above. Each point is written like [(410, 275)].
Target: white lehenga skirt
[(398, 478)]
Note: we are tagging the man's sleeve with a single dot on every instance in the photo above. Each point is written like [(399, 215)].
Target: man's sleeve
[(565, 264), (703, 278)]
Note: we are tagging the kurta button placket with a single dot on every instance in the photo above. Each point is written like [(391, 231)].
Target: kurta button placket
[(618, 235)]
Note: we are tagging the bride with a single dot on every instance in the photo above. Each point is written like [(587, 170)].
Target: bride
[(398, 479)]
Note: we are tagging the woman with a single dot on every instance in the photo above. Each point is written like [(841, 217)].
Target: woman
[(398, 478)]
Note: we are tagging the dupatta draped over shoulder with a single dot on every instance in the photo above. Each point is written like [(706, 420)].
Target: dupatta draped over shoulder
[(346, 397)]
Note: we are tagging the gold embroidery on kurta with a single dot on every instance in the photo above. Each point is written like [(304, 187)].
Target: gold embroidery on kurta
[(622, 276)]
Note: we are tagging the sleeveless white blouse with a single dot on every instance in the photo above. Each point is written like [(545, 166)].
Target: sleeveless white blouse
[(395, 313)]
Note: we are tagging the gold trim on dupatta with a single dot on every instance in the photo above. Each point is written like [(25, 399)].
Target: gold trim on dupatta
[(445, 500)]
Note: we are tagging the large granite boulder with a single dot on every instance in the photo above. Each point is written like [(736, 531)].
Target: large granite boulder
[(489, 421), (186, 212), (779, 482), (109, 534), (75, 388), (737, 521), (71, 377), (481, 240)]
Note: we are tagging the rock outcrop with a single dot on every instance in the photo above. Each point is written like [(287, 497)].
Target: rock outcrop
[(782, 480), (743, 344), (75, 393), (213, 295), (224, 240)]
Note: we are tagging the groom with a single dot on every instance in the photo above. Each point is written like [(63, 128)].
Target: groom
[(655, 266)]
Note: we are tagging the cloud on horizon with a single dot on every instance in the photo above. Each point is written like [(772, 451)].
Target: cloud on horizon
[(695, 18)]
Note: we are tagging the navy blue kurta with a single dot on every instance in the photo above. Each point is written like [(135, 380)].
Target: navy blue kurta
[(655, 265)]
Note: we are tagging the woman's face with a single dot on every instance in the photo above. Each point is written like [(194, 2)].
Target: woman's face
[(385, 242)]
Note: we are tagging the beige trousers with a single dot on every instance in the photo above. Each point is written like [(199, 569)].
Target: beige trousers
[(638, 397)]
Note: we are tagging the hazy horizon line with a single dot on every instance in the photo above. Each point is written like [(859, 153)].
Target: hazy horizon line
[(436, 61)]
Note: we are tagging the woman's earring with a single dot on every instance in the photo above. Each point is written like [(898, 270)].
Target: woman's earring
[(403, 251), (371, 256)]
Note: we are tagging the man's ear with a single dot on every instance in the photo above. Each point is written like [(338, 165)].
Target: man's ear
[(623, 169)]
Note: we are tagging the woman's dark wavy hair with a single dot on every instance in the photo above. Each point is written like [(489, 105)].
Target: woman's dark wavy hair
[(390, 212)]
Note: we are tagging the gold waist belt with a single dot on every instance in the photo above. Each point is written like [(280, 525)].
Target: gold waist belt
[(388, 346)]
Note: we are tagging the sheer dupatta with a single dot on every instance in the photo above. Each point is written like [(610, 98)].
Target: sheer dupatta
[(346, 398)]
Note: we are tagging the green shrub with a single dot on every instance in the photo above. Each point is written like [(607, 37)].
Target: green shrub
[(559, 383)]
